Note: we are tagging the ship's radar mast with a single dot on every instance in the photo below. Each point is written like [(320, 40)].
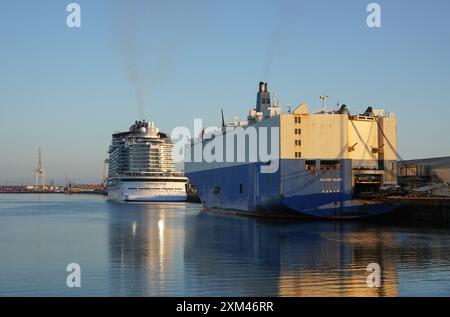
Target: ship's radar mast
[(324, 103)]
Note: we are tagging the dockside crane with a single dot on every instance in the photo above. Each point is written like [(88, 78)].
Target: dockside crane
[(39, 173)]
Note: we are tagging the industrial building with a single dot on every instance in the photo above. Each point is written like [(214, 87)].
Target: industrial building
[(431, 175)]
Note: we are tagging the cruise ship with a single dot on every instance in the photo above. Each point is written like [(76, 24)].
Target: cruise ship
[(141, 166), (327, 164)]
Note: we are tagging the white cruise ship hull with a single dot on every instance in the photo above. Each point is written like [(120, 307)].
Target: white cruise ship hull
[(148, 190)]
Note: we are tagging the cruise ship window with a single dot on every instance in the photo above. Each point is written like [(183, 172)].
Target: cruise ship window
[(241, 188)]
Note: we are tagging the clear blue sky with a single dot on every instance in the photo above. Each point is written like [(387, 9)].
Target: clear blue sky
[(67, 89)]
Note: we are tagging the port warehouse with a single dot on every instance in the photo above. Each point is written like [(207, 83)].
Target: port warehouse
[(336, 153), (425, 197), (423, 172)]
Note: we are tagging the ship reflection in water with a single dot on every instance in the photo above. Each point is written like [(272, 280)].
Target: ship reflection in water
[(304, 259), (146, 242), (176, 249)]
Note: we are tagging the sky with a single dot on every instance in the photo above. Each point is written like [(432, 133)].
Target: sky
[(68, 89)]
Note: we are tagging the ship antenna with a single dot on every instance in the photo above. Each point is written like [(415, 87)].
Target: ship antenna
[(288, 107), (324, 103), (223, 119)]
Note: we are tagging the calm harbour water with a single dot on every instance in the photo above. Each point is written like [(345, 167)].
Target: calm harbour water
[(178, 250)]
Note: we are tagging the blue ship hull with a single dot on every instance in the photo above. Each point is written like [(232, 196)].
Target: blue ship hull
[(291, 191)]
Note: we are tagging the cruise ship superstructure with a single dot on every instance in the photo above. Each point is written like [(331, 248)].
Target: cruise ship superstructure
[(330, 164), (141, 166)]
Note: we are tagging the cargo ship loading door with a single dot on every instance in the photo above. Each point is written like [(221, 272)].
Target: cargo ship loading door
[(367, 184)]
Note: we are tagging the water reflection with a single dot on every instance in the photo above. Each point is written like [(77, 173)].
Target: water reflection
[(304, 259), (177, 250), (143, 248), (174, 249)]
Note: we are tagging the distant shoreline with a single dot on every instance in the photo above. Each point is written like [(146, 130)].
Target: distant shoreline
[(59, 193)]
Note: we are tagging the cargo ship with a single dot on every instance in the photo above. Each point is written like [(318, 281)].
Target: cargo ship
[(327, 164), (141, 166)]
